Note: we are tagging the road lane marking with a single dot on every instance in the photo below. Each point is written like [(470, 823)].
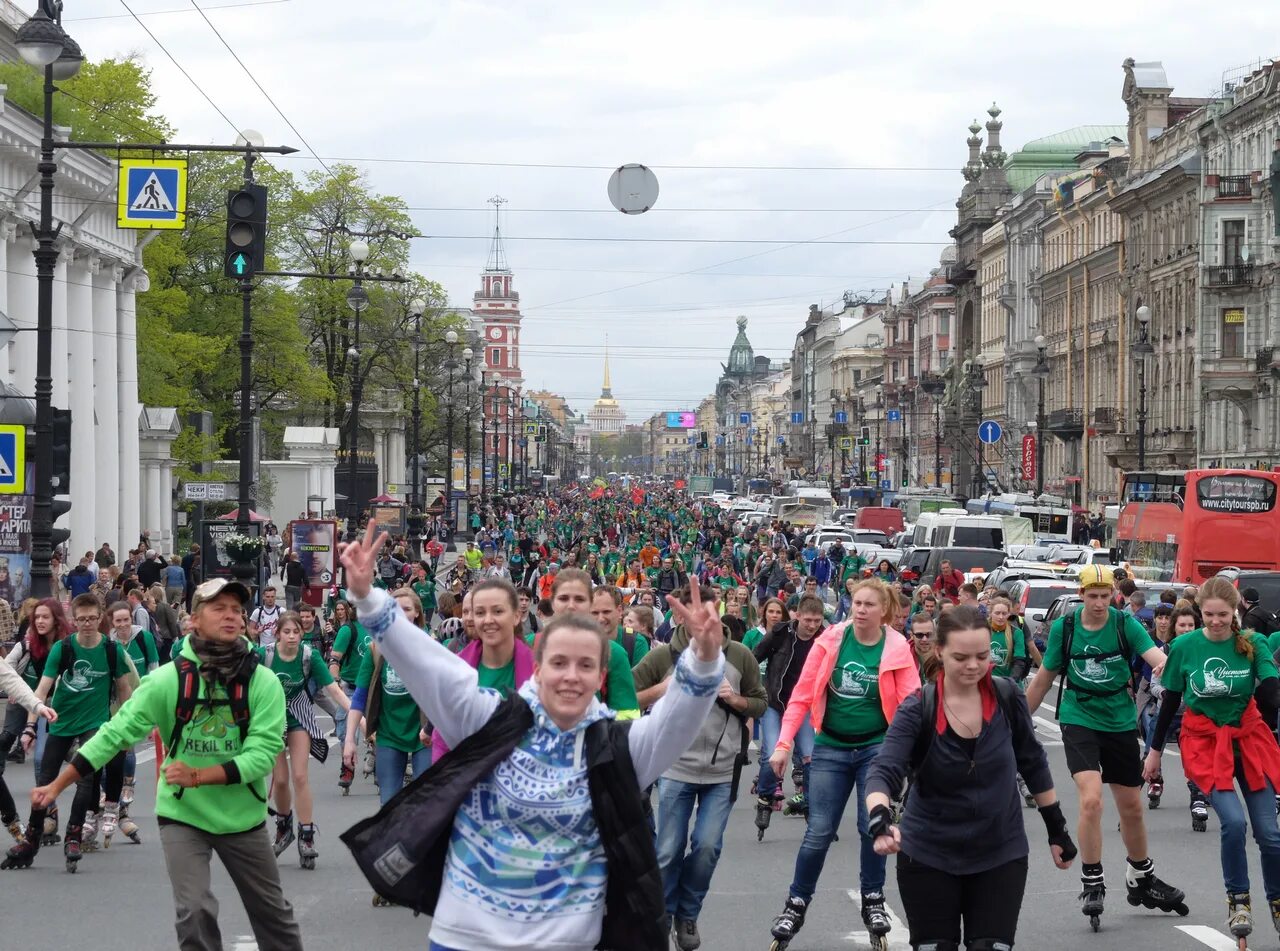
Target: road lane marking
[(1209, 937), (898, 937)]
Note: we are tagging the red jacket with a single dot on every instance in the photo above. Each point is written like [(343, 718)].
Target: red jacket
[(949, 584), (899, 679), (1208, 751)]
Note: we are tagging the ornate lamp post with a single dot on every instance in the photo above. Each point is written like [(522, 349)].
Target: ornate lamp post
[(1141, 350)]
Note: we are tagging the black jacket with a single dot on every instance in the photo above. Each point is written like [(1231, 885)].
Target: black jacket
[(402, 850), (778, 647), (1259, 619)]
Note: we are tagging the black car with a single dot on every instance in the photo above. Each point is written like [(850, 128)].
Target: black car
[(966, 560), (1062, 604), (1266, 583)]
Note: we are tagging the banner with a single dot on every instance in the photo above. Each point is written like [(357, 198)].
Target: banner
[(1029, 458), (15, 548), (214, 561), (314, 541), (389, 518)]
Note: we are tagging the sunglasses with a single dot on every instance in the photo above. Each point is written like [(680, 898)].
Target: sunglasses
[(923, 635)]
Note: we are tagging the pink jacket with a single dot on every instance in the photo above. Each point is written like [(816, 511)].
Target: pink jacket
[(899, 679), (471, 654)]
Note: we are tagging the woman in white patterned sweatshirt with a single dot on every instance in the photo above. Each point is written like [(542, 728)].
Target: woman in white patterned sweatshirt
[(526, 867)]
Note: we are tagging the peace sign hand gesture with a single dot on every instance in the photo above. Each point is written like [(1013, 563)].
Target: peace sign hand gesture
[(360, 559), (702, 622)]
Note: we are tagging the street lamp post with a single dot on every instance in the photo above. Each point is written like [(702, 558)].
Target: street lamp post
[(450, 364), (879, 413), (934, 387), (1041, 372), (42, 43), (976, 380), (467, 355), (416, 308), (484, 436), (1142, 349), (357, 297)]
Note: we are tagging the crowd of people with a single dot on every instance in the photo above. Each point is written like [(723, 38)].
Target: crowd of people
[(608, 643)]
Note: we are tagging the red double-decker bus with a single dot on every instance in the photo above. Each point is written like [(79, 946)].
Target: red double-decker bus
[(1188, 526)]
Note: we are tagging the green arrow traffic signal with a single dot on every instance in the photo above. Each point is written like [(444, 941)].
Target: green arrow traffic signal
[(239, 264)]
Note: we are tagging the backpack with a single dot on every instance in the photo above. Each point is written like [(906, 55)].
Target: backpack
[(1068, 635), (189, 696), (629, 644), (1006, 695), (114, 663)]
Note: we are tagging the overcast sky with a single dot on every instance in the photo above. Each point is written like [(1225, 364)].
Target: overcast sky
[(886, 88)]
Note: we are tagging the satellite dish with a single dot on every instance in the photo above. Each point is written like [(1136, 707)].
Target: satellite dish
[(633, 189)]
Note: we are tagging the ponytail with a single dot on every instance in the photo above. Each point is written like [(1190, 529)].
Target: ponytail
[(1244, 645)]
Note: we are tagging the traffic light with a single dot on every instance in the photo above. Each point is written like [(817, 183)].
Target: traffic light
[(904, 481), (61, 451), (702, 442), (864, 438), (246, 230)]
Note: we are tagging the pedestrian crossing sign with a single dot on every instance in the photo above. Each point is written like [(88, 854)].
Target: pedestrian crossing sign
[(152, 193), (13, 462)]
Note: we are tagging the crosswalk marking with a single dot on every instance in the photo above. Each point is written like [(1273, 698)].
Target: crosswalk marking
[(1209, 937)]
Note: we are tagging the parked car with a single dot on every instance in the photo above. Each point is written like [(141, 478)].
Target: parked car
[(872, 535), (1080, 555), (1267, 583), (844, 516), (974, 562), (1056, 609), (826, 536), (912, 564), (1032, 597), (1029, 552), (1009, 572)]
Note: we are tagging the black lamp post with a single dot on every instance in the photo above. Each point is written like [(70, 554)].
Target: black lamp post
[(1141, 350), (484, 435), (450, 364), (357, 298), (935, 387), (879, 413), (416, 308), (976, 380), (1041, 372), (42, 43), (467, 355)]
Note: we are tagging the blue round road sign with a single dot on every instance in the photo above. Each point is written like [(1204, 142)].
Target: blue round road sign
[(989, 431)]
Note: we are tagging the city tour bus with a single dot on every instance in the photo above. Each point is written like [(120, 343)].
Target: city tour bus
[(1187, 526)]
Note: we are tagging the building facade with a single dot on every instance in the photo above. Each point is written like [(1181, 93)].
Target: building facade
[(606, 417)]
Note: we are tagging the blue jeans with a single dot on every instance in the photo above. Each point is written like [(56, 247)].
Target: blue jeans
[(834, 774), (770, 727), (340, 715), (1266, 832), (389, 764), (686, 876)]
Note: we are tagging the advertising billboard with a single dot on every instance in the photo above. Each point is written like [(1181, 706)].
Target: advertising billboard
[(315, 541), (682, 420)]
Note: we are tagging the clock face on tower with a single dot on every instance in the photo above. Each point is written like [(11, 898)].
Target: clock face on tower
[(495, 333)]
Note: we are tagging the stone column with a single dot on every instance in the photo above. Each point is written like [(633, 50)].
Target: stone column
[(157, 428), (61, 337), (80, 400), (22, 309), (106, 406), (128, 407)]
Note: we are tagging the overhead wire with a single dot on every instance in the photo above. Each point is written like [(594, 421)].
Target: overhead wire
[(156, 13)]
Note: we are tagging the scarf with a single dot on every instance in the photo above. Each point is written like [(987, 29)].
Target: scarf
[(220, 662)]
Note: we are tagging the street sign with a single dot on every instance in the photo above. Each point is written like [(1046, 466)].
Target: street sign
[(393, 488), (797, 418), (503, 468), (886, 484), (1029, 457), (13, 460), (530, 429), (842, 417), (744, 418), (845, 442), (152, 193), (633, 189), (782, 440), (894, 415), (205, 491), (989, 431)]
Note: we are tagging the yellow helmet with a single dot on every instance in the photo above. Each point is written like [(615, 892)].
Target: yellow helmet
[(1096, 576)]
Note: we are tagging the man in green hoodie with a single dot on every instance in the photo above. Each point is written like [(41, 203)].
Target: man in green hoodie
[(211, 796)]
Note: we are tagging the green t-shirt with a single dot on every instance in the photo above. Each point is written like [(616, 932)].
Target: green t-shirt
[(398, 718), (312, 638), (176, 650), (352, 654), (752, 638), (142, 648), (426, 592), (620, 685), (1001, 658), (851, 567), (638, 650), (501, 679), (853, 694), (82, 697), (293, 679), (1114, 713), (1214, 679), (473, 558), (1273, 643)]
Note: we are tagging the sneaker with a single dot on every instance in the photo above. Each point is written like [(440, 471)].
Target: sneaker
[(687, 937)]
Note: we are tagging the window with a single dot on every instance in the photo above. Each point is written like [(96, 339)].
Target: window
[(944, 324), (1233, 332), (1232, 242), (495, 357)]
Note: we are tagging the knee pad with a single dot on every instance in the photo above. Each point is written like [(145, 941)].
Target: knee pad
[(930, 944), (988, 944)]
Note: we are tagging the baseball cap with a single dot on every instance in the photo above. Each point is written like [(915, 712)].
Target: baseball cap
[(216, 586), (1251, 595), (1096, 576)]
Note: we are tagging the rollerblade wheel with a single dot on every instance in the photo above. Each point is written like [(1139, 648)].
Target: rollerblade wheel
[(1199, 825), (71, 865), (1182, 909), (879, 942), (779, 944), (308, 864), (1095, 922)]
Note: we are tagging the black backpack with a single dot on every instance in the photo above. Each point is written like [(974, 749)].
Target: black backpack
[(189, 697), (1068, 635), (1006, 696)]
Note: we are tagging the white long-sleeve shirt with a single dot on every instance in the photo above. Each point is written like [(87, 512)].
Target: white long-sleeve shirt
[(12, 684), (526, 868)]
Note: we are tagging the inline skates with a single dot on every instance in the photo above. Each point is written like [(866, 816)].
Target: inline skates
[(876, 917), (1239, 917), (307, 845), (788, 924), (1150, 892)]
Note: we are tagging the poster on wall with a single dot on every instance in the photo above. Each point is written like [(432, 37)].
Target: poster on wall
[(15, 548), (315, 542), (388, 518), (214, 561)]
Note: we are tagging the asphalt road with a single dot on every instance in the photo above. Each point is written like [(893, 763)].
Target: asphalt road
[(126, 900)]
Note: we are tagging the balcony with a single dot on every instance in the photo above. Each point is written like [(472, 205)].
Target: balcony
[(1106, 420), (1065, 423), (1233, 275), (1235, 186)]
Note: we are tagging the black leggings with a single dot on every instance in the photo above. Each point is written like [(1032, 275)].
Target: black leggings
[(15, 720), (935, 902), (56, 750)]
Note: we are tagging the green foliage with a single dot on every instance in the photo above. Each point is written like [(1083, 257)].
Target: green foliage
[(107, 101)]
